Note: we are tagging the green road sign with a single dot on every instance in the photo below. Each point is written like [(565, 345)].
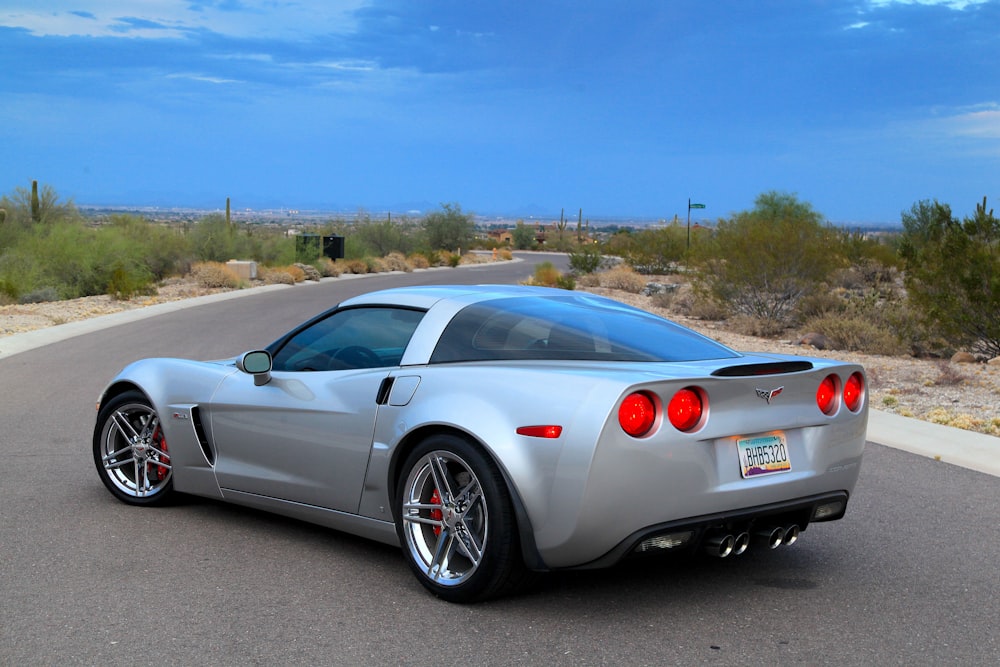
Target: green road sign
[(696, 206)]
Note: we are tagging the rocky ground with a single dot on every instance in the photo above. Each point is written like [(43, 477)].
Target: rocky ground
[(965, 395)]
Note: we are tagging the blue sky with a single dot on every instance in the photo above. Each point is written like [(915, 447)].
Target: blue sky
[(859, 107)]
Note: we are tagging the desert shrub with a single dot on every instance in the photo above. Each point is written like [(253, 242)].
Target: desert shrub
[(656, 251), (586, 259), (214, 275), (859, 248), (866, 274), (663, 299), (699, 305), (454, 259), (820, 303), (762, 262), (309, 271), (396, 261), (589, 280), (329, 268), (953, 273), (748, 325), (42, 295), (622, 278), (856, 333), (505, 254), (282, 275), (547, 275), (296, 272), (355, 266), (871, 324), (160, 249), (418, 261), (126, 282), (276, 276), (949, 375), (375, 265)]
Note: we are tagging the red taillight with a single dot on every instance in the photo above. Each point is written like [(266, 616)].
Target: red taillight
[(549, 431), (685, 409), (826, 395), (637, 414), (854, 391)]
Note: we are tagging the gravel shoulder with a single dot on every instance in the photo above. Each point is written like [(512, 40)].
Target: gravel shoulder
[(964, 396)]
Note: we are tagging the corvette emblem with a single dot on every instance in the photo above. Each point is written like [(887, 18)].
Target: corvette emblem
[(768, 394)]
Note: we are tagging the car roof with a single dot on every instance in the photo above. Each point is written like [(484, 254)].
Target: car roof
[(425, 296)]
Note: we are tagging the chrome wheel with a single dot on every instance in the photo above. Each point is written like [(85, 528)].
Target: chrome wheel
[(130, 451), (455, 521), (445, 518)]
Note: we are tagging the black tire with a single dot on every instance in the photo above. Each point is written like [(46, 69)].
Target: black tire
[(456, 523), (130, 451)]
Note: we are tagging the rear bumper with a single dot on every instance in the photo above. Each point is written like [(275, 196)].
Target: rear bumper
[(696, 532)]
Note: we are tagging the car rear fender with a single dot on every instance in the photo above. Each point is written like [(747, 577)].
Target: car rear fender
[(459, 400)]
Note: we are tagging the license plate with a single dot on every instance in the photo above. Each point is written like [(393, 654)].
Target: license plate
[(763, 455)]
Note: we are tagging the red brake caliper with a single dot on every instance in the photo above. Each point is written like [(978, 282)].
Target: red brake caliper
[(436, 514), (161, 443)]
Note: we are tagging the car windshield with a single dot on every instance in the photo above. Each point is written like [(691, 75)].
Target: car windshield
[(569, 327)]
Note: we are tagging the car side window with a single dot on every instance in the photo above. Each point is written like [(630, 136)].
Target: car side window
[(363, 337)]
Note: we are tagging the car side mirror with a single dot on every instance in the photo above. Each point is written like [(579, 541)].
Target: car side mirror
[(258, 364)]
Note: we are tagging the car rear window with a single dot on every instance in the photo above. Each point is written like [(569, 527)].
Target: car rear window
[(582, 327)]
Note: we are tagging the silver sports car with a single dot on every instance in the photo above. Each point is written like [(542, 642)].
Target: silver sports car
[(497, 431)]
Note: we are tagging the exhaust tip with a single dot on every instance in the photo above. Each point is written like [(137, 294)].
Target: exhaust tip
[(791, 535), (720, 546), (741, 544), (773, 537)]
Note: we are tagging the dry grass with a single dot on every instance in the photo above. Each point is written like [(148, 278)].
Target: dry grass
[(622, 278), (213, 275)]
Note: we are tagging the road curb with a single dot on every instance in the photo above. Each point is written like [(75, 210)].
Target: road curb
[(968, 449)]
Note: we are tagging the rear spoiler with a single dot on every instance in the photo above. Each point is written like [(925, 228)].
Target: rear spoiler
[(773, 368)]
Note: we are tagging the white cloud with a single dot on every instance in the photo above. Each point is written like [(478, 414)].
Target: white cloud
[(952, 4), (981, 122), (152, 19), (202, 77), (350, 65), (971, 130)]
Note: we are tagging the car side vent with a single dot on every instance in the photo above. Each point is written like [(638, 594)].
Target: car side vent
[(199, 430), (751, 370)]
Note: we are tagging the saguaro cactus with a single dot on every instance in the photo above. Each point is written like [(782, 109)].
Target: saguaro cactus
[(36, 207), (3, 215), (228, 217)]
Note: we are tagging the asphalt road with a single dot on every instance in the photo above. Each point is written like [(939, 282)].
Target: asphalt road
[(910, 576)]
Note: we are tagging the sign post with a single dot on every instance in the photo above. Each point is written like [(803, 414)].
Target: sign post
[(691, 206)]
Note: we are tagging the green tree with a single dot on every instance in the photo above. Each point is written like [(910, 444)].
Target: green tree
[(448, 229), (159, 248), (27, 207), (762, 262), (523, 236), (381, 237), (655, 250), (952, 273)]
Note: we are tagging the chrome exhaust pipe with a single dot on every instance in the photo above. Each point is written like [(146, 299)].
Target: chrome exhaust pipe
[(773, 537), (791, 535), (741, 544), (720, 546)]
